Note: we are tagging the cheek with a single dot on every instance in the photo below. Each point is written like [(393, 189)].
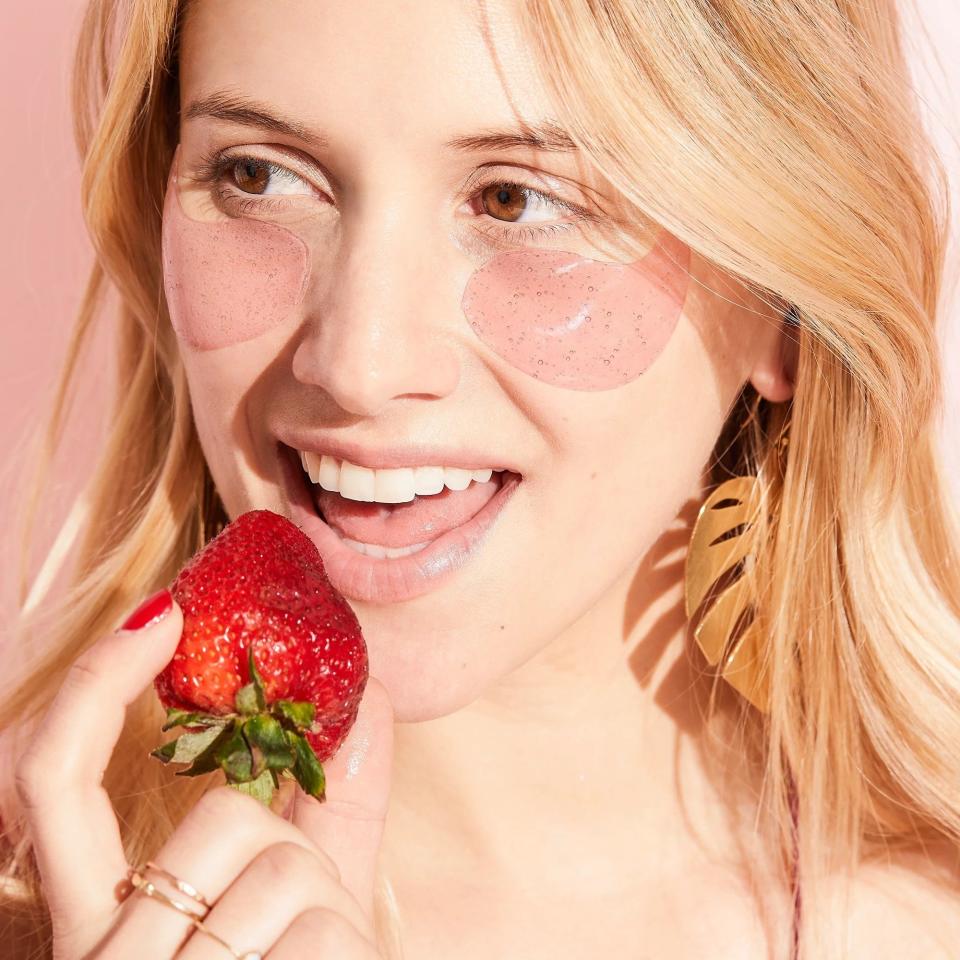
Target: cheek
[(579, 323), (229, 281)]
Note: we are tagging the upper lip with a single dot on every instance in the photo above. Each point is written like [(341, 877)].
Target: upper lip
[(391, 456)]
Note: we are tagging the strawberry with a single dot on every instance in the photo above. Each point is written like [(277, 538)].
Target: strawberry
[(270, 668)]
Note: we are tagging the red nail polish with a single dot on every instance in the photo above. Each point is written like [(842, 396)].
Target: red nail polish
[(150, 611)]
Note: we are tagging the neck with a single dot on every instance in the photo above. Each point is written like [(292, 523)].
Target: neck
[(567, 767)]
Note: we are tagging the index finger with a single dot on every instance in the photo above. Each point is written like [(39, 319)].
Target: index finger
[(75, 833)]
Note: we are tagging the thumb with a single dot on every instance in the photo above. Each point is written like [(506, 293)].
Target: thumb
[(348, 825)]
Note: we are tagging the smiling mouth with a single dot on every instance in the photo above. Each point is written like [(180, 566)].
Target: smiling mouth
[(395, 512), (392, 534)]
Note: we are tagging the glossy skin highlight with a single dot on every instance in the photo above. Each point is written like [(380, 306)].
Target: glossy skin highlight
[(575, 322)]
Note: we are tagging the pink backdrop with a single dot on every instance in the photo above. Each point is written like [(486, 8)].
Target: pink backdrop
[(44, 254)]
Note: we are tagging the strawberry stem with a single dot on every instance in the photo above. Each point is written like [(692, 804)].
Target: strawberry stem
[(253, 746)]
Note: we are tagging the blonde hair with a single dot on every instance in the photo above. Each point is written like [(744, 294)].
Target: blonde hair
[(781, 142)]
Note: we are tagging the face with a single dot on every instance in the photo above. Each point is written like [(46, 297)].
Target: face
[(443, 354)]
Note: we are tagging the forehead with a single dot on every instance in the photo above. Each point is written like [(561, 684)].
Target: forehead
[(404, 73)]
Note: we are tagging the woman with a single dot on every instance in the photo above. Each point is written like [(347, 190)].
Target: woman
[(328, 226)]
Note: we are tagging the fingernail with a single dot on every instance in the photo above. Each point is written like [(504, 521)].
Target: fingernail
[(150, 611)]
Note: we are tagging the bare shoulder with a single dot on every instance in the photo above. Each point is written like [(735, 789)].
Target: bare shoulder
[(907, 908)]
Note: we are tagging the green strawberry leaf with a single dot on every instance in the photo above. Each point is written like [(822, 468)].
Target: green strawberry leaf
[(253, 747), (265, 736), (307, 769), (187, 718), (260, 789), (251, 699), (298, 715), (234, 757), (188, 746), (207, 761), (247, 701), (254, 672)]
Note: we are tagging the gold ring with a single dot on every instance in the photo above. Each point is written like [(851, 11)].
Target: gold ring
[(142, 885), (182, 885), (249, 955)]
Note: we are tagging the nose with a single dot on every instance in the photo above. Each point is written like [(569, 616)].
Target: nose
[(374, 329)]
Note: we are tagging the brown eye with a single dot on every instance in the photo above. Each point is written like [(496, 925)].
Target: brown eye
[(503, 201), (251, 176)]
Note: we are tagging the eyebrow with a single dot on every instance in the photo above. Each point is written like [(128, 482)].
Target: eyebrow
[(225, 106), (547, 136)]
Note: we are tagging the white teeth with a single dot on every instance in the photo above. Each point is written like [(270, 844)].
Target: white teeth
[(427, 480), (329, 473), (457, 479), (313, 466), (356, 483), (375, 550), (396, 485)]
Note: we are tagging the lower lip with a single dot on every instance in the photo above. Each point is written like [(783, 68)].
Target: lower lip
[(392, 580)]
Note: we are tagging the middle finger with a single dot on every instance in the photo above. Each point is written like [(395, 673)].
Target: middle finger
[(282, 882), (215, 842)]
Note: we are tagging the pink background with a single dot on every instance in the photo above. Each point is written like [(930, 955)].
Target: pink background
[(44, 253)]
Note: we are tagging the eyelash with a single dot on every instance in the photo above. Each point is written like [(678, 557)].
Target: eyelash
[(212, 169)]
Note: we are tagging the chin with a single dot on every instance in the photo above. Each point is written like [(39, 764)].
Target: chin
[(425, 689)]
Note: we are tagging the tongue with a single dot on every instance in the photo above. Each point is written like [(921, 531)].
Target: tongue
[(404, 524)]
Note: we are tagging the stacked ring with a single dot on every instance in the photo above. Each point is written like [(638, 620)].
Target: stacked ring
[(141, 884), (182, 885), (148, 888)]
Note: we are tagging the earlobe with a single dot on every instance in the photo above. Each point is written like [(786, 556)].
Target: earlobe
[(774, 372)]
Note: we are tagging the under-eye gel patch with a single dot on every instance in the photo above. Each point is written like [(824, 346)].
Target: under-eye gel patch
[(228, 280), (575, 322), (563, 318)]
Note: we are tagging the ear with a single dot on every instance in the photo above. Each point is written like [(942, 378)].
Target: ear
[(774, 369)]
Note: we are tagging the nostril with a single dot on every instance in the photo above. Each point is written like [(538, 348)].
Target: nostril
[(363, 370)]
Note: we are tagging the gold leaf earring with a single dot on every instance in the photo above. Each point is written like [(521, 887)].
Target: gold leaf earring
[(721, 546)]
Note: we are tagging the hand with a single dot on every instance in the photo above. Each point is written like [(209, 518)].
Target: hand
[(288, 888)]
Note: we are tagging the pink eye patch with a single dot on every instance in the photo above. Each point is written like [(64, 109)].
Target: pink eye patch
[(575, 322), (564, 319), (228, 281)]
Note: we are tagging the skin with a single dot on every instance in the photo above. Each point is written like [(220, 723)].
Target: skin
[(551, 782), (384, 352), (381, 353)]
